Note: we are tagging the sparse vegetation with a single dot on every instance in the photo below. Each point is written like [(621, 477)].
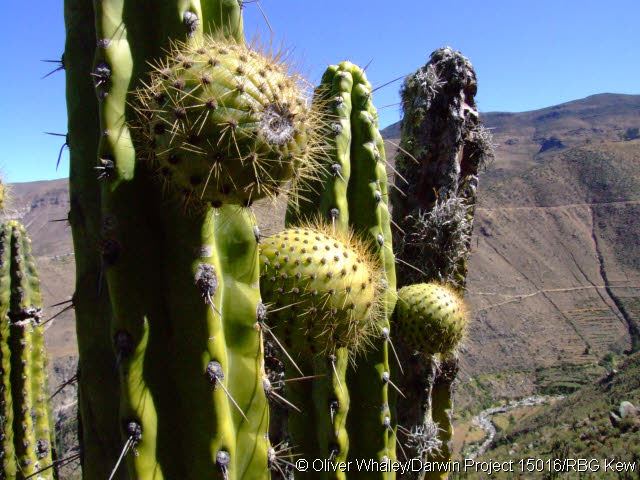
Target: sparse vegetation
[(631, 133)]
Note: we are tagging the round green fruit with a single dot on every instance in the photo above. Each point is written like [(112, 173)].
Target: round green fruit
[(324, 291), (226, 124), (430, 318)]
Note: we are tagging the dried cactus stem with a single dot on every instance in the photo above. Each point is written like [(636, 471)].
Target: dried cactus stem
[(443, 149)]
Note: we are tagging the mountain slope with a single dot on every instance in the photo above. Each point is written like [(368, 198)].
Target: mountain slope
[(578, 426), (554, 273), (556, 253)]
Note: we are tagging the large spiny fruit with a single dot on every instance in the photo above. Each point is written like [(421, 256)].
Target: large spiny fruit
[(324, 288), (228, 124), (431, 318)]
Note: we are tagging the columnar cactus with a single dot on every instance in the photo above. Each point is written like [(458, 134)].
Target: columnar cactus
[(443, 148), (175, 129), (170, 294), (352, 196), (27, 441)]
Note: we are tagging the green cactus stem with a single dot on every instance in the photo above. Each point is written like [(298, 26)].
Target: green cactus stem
[(326, 199), (9, 466), (352, 195), (98, 390), (183, 282), (371, 379), (26, 368), (45, 444), (442, 414)]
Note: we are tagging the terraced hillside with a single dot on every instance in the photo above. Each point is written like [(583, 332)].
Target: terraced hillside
[(598, 423), (555, 273)]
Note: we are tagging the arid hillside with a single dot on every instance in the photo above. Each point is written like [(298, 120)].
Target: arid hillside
[(554, 276)]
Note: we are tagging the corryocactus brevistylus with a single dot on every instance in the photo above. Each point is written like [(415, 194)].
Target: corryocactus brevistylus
[(443, 148), (352, 195), (27, 441), (184, 311)]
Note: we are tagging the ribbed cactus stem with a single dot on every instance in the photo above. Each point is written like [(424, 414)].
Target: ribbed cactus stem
[(9, 466), (442, 413), (26, 370), (98, 390), (41, 411), (372, 378), (327, 398), (352, 195), (183, 284)]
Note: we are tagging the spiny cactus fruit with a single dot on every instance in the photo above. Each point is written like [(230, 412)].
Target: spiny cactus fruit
[(227, 123), (326, 292), (324, 288), (431, 318), (27, 440)]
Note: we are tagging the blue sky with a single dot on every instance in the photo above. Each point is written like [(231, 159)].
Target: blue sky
[(527, 55)]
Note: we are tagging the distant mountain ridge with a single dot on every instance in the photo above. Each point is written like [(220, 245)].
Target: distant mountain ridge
[(525, 138), (554, 274)]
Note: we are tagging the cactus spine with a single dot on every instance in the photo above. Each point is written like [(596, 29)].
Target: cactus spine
[(27, 441)]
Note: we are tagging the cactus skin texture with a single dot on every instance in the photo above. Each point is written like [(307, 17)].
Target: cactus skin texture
[(430, 318), (98, 390), (6, 403), (176, 293), (330, 282), (27, 441), (352, 195)]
